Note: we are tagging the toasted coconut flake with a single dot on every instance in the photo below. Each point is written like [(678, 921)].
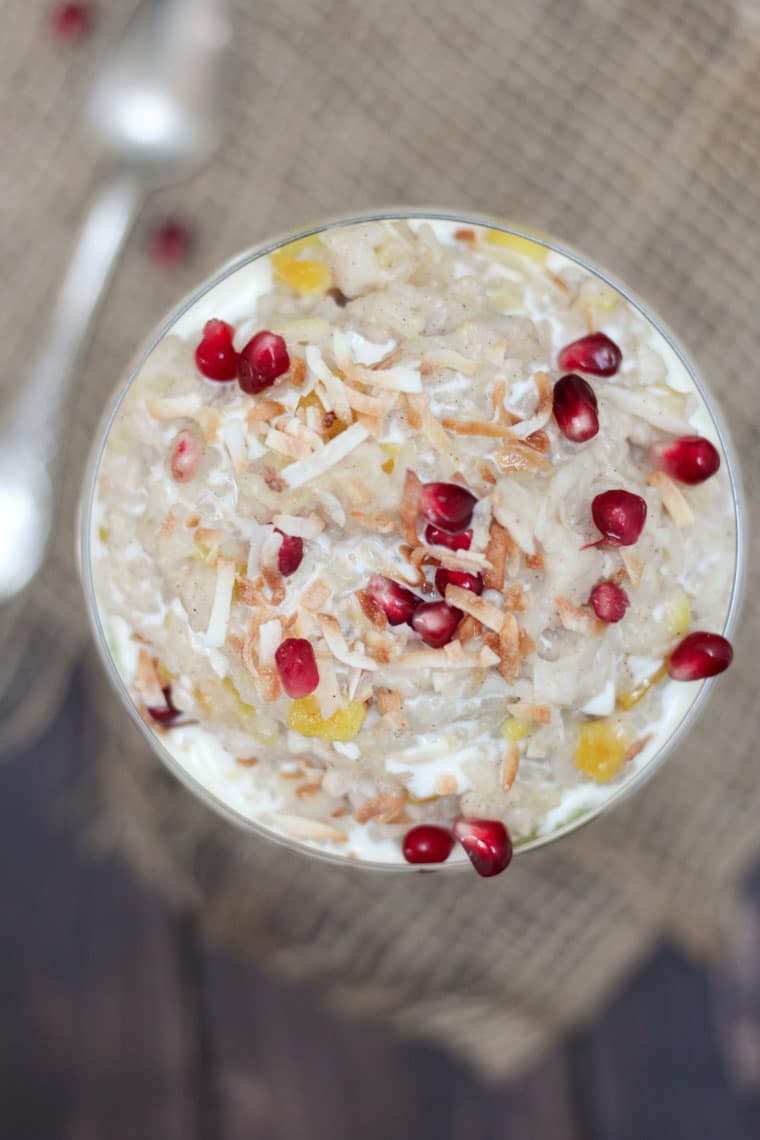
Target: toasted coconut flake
[(289, 445), (273, 478), (447, 358), (515, 456), (336, 400), (514, 597), (357, 492), (526, 644), (381, 524), (539, 441), (509, 767), (430, 425), (541, 714), (209, 422), (394, 377), (249, 592), (388, 701), (578, 620), (497, 400), (516, 522), (168, 525), (383, 808), (265, 411), (304, 624), (486, 474), (488, 657), (496, 554), (454, 650), (534, 423), (218, 621), (413, 416), (409, 508), (192, 521), (300, 827), (478, 427), (634, 567), (315, 595), (235, 643), (299, 526), (639, 402), (233, 434), (509, 648), (446, 785), (372, 610), (485, 612), (247, 761), (174, 407), (270, 636), (270, 570), (336, 643), (308, 791), (307, 470), (388, 360), (458, 559), (147, 681), (637, 746), (258, 538), (535, 561), (465, 235), (673, 498), (468, 628), (376, 406), (268, 685)]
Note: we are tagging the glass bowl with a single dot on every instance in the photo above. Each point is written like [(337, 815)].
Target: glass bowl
[(220, 294)]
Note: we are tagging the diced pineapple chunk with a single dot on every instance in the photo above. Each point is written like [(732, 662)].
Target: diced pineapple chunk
[(631, 698), (103, 533), (344, 724), (392, 450), (517, 244), (304, 274), (516, 729), (313, 401), (222, 700), (677, 613), (601, 749)]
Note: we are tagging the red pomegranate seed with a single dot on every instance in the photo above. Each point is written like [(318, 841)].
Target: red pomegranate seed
[(436, 623), (575, 408), (444, 578), (290, 554), (297, 667), (594, 353), (170, 243), (427, 843), (263, 359), (436, 537), (609, 602), (397, 603), (186, 456), (700, 655), (487, 843), (167, 713), (690, 459), (447, 505), (215, 355), (620, 516), (72, 22)]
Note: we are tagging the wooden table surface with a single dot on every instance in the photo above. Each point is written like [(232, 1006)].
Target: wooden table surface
[(119, 1021)]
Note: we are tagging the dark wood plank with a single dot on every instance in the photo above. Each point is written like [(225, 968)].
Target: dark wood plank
[(97, 1035), (651, 1064)]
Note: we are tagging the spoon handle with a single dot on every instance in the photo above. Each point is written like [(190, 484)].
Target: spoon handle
[(32, 420)]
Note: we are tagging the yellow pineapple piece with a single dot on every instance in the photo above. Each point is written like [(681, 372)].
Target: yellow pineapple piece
[(631, 698), (677, 614), (306, 275), (344, 724), (601, 749), (417, 800), (516, 729), (392, 450), (517, 244), (313, 401), (103, 533), (221, 700)]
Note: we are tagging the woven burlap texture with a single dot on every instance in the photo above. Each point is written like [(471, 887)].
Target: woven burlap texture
[(630, 128)]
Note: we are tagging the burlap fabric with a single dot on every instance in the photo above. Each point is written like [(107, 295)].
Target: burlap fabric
[(632, 129)]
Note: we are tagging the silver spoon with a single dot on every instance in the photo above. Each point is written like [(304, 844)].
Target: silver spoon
[(155, 106)]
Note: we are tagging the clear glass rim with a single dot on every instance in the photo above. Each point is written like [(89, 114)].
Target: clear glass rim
[(89, 487)]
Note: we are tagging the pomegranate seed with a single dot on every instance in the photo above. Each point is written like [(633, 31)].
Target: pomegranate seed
[(397, 603), (436, 537), (594, 353), (215, 355), (263, 359), (690, 459), (297, 667), (427, 843), (447, 505), (436, 623), (167, 713), (487, 843), (290, 554), (609, 602), (575, 408), (170, 243), (444, 578), (72, 22), (620, 516), (186, 456), (700, 655)]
